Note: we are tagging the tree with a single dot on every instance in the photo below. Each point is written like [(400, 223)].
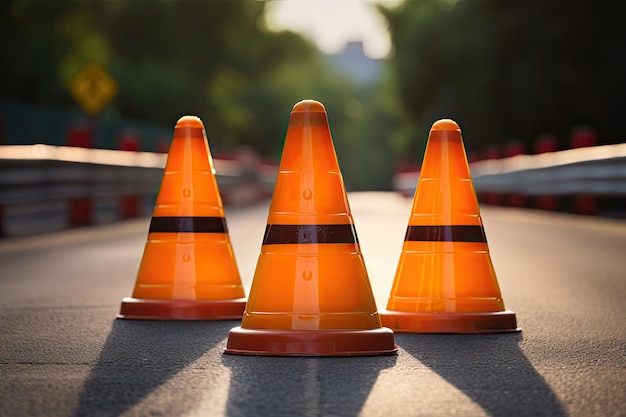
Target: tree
[(510, 70), (214, 59)]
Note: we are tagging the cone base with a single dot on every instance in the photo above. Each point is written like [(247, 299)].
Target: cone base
[(311, 343), (463, 323), (142, 309)]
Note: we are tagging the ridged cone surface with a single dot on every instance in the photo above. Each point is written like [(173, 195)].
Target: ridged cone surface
[(188, 265), (445, 275), (310, 286)]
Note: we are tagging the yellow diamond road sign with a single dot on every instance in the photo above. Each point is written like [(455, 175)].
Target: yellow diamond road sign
[(93, 88)]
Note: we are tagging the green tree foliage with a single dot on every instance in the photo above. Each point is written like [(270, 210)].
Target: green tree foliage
[(510, 70), (209, 58), (37, 40), (214, 59)]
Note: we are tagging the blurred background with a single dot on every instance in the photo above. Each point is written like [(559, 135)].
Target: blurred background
[(519, 77)]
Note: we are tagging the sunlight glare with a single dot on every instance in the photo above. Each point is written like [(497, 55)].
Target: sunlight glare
[(331, 23)]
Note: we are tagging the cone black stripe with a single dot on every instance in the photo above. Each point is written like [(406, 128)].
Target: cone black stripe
[(189, 132), (277, 234), (454, 233), (188, 224), (311, 119)]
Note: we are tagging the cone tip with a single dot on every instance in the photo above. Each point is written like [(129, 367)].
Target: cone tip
[(445, 124), (189, 121), (308, 106)]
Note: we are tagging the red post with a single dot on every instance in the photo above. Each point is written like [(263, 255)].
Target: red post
[(583, 137), (80, 135), (129, 205), (80, 207), (514, 147), (546, 143), (543, 144)]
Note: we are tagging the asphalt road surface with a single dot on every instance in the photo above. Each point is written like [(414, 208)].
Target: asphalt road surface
[(63, 353)]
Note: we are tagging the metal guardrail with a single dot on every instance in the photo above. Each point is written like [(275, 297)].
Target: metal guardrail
[(582, 180), (597, 171), (47, 188)]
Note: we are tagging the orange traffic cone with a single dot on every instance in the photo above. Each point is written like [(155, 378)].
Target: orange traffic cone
[(310, 294), (188, 270), (445, 281)]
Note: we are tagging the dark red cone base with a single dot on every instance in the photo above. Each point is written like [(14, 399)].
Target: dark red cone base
[(460, 323), (311, 343), (140, 309)]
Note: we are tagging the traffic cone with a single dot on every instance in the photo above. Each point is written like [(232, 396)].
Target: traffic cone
[(188, 270), (310, 294), (445, 281)]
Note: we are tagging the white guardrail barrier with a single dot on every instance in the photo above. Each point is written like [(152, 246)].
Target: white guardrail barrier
[(583, 180), (47, 188)]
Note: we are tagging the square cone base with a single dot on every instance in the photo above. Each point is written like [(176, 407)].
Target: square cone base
[(461, 323), (311, 343), (141, 309)]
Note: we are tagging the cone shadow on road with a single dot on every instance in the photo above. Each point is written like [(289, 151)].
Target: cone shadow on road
[(491, 370), (140, 356), (301, 386)]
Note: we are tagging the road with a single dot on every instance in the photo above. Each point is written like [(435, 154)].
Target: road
[(63, 353)]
